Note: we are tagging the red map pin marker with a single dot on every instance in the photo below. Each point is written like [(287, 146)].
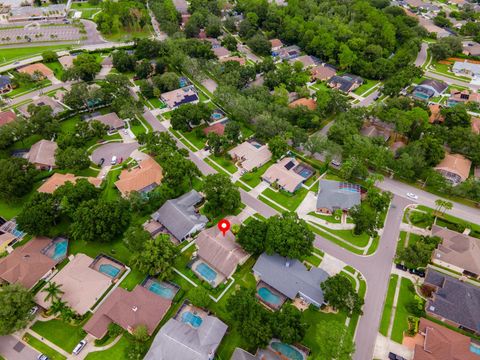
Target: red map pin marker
[(223, 226)]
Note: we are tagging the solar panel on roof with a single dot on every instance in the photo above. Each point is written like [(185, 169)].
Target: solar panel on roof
[(289, 165)]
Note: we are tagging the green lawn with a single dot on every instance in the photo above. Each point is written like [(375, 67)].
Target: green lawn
[(367, 85), (387, 308), (198, 142), (330, 218), (320, 85), (110, 190), (42, 348), (128, 35), (287, 200), (254, 178), (14, 54), (227, 164), (133, 279), (116, 249), (63, 335), (334, 240), (57, 68), (348, 235), (157, 103), (22, 90), (118, 351), (400, 322)]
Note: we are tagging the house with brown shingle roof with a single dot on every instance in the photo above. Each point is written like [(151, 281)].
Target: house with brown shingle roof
[(221, 252), (221, 52), (57, 180), (218, 128), (250, 155), (128, 309), (6, 117), (307, 61), (322, 72), (144, 178), (457, 251), (34, 69), (441, 343), (435, 114), (111, 120), (42, 154), (27, 264), (42, 101), (310, 104), (462, 96), (455, 168), (475, 125)]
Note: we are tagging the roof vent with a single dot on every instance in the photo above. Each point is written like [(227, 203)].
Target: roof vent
[(431, 308), (134, 309)]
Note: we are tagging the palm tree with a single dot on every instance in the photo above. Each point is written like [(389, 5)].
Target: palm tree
[(53, 291), (67, 314), (447, 205), (58, 306)]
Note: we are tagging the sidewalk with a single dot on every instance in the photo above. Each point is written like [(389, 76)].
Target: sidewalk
[(49, 343)]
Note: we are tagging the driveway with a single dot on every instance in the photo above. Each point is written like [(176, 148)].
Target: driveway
[(118, 149), (422, 55), (13, 349)]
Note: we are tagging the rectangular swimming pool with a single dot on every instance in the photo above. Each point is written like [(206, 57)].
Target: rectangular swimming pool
[(109, 270), (206, 271)]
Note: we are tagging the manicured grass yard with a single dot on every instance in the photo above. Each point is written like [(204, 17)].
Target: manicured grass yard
[(387, 308), (227, 164), (289, 201), (348, 235), (400, 322), (22, 90), (192, 136), (64, 335), (367, 85), (330, 218), (118, 351), (255, 177), (57, 68), (12, 54), (134, 278), (42, 348)]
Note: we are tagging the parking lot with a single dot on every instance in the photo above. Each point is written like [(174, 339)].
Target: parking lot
[(39, 34)]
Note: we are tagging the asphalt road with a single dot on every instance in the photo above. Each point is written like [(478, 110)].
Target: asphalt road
[(12, 349), (422, 55), (370, 99), (118, 149)]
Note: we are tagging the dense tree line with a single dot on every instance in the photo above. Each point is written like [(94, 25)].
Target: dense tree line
[(120, 16)]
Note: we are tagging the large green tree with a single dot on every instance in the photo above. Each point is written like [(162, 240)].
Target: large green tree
[(338, 291), (222, 196), (39, 215), (16, 178), (14, 313), (156, 257), (252, 236)]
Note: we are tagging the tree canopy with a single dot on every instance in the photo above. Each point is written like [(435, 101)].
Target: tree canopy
[(14, 313), (338, 291)]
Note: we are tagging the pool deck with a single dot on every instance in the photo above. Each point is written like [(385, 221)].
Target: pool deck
[(269, 306), (105, 260), (214, 283), (150, 280), (187, 307), (50, 249)]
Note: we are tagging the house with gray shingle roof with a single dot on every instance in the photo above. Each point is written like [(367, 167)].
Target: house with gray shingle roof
[(454, 302), (180, 217), (291, 278), (178, 340), (335, 195)]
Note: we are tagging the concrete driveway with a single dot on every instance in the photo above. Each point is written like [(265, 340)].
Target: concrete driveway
[(13, 349), (118, 149)]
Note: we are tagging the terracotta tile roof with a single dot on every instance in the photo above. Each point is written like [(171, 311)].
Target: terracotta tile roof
[(30, 69), (26, 265), (309, 103), (43, 153), (456, 164), (435, 113), (476, 125), (276, 43), (7, 117), (441, 343), (128, 310), (148, 173), (217, 128), (57, 180)]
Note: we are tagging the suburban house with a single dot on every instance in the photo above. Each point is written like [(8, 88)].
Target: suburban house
[(57, 180), (42, 154), (179, 216), (221, 52), (6, 239), (458, 252), (144, 178), (291, 278), (175, 98), (465, 68), (7, 116), (238, 59), (240, 354), (220, 252), (128, 309), (218, 128), (111, 120), (377, 128), (429, 88), (310, 104), (455, 168), (436, 116), (82, 286), (5, 84), (307, 61), (335, 195), (250, 155), (475, 125), (462, 96), (277, 44), (471, 48), (454, 302), (179, 339), (29, 263), (287, 53), (66, 61), (345, 83), (438, 342), (56, 107), (282, 174), (37, 71), (322, 72)]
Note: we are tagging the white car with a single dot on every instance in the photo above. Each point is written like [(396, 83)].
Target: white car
[(412, 196), (79, 347)]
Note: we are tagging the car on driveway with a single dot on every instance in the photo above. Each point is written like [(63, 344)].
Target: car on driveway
[(392, 356), (43, 357), (412, 196), (102, 160), (79, 347)]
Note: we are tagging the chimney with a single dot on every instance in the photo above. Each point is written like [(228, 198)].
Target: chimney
[(134, 309)]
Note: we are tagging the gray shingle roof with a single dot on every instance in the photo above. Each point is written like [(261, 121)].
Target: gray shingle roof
[(334, 195), (179, 215), (438, 85), (179, 341), (454, 300), (292, 279), (4, 81)]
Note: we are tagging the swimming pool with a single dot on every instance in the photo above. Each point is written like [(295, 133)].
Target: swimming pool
[(190, 318), (206, 271), (161, 290), (475, 349), (269, 297), (109, 270), (287, 350), (216, 116), (60, 250)]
